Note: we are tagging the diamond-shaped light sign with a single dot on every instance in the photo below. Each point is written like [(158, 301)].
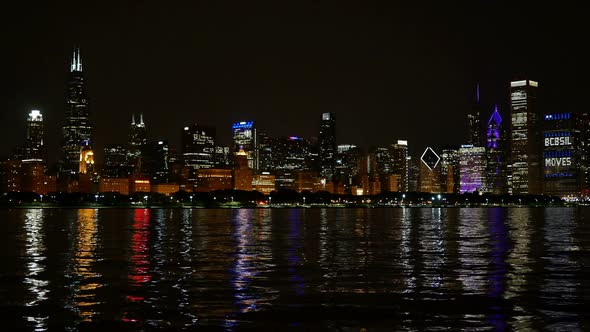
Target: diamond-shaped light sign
[(430, 158)]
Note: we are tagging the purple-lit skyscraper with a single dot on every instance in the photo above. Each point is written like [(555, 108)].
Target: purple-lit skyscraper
[(495, 154), (472, 166)]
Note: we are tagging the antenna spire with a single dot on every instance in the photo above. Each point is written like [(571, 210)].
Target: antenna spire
[(76, 60)]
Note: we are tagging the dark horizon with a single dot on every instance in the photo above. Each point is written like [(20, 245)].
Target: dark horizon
[(386, 71)]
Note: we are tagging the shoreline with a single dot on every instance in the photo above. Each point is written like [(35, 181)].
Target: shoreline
[(293, 206)]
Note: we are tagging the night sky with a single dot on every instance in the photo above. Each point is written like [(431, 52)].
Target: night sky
[(388, 71)]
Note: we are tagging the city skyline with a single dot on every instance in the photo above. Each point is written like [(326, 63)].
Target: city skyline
[(381, 75)]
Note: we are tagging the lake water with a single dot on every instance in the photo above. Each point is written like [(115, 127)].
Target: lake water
[(318, 269)]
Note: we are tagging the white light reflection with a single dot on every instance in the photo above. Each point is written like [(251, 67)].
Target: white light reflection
[(35, 254), (473, 251)]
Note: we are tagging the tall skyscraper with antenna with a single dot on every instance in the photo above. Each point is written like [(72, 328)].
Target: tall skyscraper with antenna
[(77, 129), (137, 141), (473, 121)]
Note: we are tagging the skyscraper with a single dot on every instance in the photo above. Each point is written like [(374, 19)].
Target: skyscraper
[(198, 146), (495, 154), (472, 166), (429, 172), (525, 153), (34, 148), (562, 152), (265, 152), (244, 138), (449, 171), (400, 163), (115, 161), (137, 142), (290, 153), (77, 130), (584, 126), (327, 145), (473, 121), (155, 161)]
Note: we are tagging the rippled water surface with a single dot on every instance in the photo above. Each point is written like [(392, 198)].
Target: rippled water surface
[(324, 269)]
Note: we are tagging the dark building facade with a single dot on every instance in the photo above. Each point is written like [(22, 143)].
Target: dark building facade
[(584, 125), (156, 161), (327, 145), (400, 163), (198, 146), (290, 153), (115, 161), (77, 129), (525, 139), (474, 136), (265, 152), (34, 148), (137, 142), (449, 171)]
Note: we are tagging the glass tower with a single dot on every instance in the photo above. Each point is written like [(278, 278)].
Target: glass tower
[(244, 138), (525, 139), (327, 145), (77, 130), (495, 157), (35, 145)]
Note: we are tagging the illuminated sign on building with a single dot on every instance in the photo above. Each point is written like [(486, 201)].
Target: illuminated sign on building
[(430, 158), (243, 124), (566, 161), (558, 141)]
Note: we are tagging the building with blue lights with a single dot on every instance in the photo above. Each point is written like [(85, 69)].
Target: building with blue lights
[(562, 155), (244, 138), (496, 154)]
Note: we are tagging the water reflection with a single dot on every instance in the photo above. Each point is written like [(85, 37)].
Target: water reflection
[(87, 280), (499, 245), (520, 262), (407, 258), (35, 281), (432, 241), (295, 250), (473, 251), (316, 269), (139, 275), (559, 285), (250, 263)]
